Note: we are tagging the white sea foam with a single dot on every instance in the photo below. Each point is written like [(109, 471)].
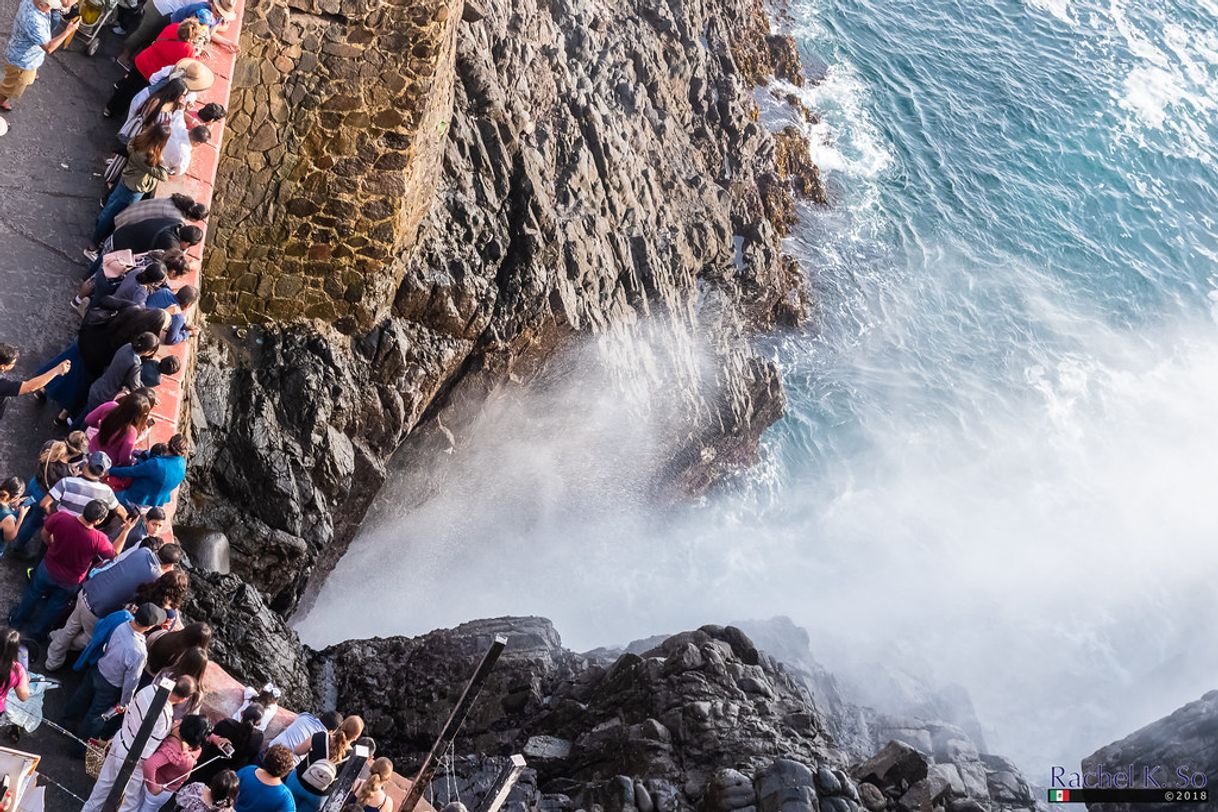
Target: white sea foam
[(1058, 8)]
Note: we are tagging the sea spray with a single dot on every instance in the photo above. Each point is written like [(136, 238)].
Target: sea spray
[(997, 462)]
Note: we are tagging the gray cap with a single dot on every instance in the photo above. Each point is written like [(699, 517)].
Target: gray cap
[(98, 462)]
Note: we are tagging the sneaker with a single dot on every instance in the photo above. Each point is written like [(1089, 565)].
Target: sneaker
[(118, 31), (81, 306), (91, 255)]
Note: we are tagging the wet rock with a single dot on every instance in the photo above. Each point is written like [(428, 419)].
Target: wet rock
[(729, 790), (539, 173), (250, 641), (871, 797), (786, 786), (1187, 737), (827, 782), (896, 765)]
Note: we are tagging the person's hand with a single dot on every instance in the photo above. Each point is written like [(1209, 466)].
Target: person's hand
[(155, 787), (72, 26), (64, 368)]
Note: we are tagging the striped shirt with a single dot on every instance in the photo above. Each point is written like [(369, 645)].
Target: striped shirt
[(157, 208), (73, 493), (134, 718)]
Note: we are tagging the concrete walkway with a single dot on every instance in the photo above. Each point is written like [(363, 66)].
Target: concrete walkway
[(49, 162)]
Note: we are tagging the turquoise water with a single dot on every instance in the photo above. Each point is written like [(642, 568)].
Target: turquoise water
[(999, 460)]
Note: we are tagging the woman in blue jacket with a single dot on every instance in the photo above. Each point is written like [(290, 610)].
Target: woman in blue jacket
[(154, 480)]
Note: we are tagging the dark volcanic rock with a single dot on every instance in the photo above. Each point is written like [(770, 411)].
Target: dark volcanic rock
[(1187, 738), (602, 166), (699, 720), (667, 719), (250, 641)]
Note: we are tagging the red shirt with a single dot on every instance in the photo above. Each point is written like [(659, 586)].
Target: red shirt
[(73, 548), (166, 50)]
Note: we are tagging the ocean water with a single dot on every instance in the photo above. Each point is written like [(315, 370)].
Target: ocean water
[(999, 461)]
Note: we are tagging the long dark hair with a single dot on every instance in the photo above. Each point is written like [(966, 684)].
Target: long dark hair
[(224, 787), (130, 413), (169, 647), (132, 321), (10, 650), (151, 142), (170, 92)]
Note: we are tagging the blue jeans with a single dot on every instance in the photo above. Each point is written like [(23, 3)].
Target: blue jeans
[(119, 199), (57, 597), (30, 525), (94, 697)]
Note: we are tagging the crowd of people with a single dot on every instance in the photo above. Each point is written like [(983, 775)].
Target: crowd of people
[(107, 581)]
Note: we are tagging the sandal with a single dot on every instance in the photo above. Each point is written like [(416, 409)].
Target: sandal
[(6, 107)]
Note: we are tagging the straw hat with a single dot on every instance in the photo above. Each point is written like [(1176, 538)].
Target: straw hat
[(225, 8), (198, 77)]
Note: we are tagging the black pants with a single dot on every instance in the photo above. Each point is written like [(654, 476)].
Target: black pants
[(124, 92)]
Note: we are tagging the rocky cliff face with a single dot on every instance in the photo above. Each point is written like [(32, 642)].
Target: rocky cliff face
[(701, 719), (600, 167), (1184, 740)]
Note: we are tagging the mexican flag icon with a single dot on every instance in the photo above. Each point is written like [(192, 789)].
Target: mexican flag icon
[(1059, 796)]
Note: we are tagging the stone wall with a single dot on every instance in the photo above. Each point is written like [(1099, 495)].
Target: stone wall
[(340, 110)]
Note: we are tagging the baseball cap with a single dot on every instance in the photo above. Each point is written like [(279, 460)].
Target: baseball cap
[(149, 614), (98, 462)]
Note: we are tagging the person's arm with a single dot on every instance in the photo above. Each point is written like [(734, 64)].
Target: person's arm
[(121, 539), (132, 379), (8, 528), (140, 469), (178, 331), (53, 44), (36, 383), (131, 676), (22, 688), (94, 418), (153, 763), (304, 747)]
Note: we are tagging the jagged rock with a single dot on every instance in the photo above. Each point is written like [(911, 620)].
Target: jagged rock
[(871, 797), (926, 794), (546, 748), (786, 786), (1187, 737), (897, 765), (250, 641), (964, 805), (410, 244), (638, 731)]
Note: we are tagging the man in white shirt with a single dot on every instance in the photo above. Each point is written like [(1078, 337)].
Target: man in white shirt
[(137, 711), (303, 728), (178, 151)]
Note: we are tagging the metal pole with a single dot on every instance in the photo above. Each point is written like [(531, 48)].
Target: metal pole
[(342, 785), (503, 785), (455, 720), (135, 753)]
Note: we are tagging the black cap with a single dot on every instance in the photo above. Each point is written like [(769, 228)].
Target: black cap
[(149, 614)]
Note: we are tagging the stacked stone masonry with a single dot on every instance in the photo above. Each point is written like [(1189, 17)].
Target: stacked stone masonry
[(339, 114)]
